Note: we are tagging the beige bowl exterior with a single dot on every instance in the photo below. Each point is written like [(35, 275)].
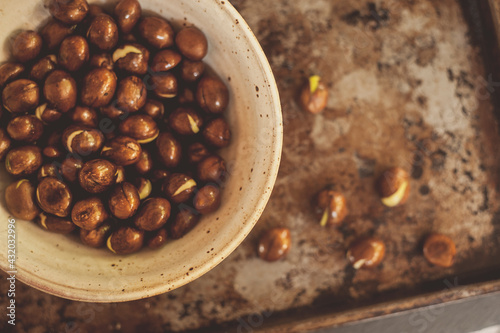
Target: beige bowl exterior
[(62, 266)]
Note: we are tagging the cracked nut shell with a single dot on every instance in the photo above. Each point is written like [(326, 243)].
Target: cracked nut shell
[(89, 213), (185, 220), (131, 95), (54, 197), (74, 53), (20, 200), (69, 11), (21, 96), (331, 207), (124, 201), (212, 169), (122, 150), (60, 90), (212, 95), (125, 240), (26, 128), (23, 161), (55, 224), (217, 133), (26, 46), (96, 237), (394, 187), (141, 127), (98, 87), (97, 176), (185, 121), (179, 187), (82, 140), (103, 32), (153, 214), (366, 252), (10, 71)]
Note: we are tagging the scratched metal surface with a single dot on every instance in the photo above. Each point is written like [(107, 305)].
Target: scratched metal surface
[(407, 88)]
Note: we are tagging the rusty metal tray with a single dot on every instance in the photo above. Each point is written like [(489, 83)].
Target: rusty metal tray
[(413, 84)]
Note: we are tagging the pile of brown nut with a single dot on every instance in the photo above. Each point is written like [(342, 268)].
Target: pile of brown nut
[(110, 124)]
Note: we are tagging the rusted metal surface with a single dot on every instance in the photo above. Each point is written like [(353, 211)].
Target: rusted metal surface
[(408, 88)]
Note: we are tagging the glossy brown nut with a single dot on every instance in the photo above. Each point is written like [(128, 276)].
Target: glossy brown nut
[(184, 222), (125, 240), (212, 95), (97, 176), (51, 152), (49, 170), (54, 197), (275, 244), (153, 108), (89, 213), (60, 90), (124, 201), (144, 187), (127, 13), (440, 250), (153, 214), (74, 53), (141, 127), (82, 140), (197, 152), (69, 11), (145, 163), (9, 71), (70, 168), (217, 133), (112, 112), (192, 43), (20, 200), (54, 32), (169, 149), (21, 96), (159, 175), (23, 160), (83, 115), (157, 32), (122, 150), (131, 95), (26, 46), (55, 224), (185, 121), (132, 58), (331, 207), (212, 169), (43, 67), (394, 187), (186, 96), (314, 95), (26, 128), (179, 187), (191, 71), (96, 237), (103, 32), (207, 200), (98, 87), (47, 114), (164, 85), (158, 239), (104, 60), (366, 253), (165, 60)]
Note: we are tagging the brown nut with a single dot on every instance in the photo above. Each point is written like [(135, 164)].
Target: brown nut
[(47, 114), (60, 91), (104, 60), (83, 115), (54, 197), (153, 214), (55, 224), (207, 200), (157, 32), (103, 32), (153, 108), (197, 152), (331, 207), (212, 95), (43, 67), (191, 71), (366, 253), (124, 201), (217, 133), (125, 240), (212, 169), (159, 175), (51, 152), (26, 128), (49, 170), (112, 112), (179, 187), (158, 239), (70, 168), (185, 121), (20, 200), (97, 176), (54, 32), (140, 127), (5, 143), (131, 95), (132, 58), (394, 187), (145, 163), (9, 71), (192, 43), (186, 96), (122, 150), (89, 213), (184, 221), (98, 87), (82, 140), (26, 46), (74, 53), (439, 250), (165, 60), (144, 187), (314, 95), (21, 96), (164, 85), (69, 11), (127, 13), (23, 161), (169, 150), (274, 244), (96, 237)]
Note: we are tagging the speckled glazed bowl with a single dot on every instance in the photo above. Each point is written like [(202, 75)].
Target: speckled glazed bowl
[(62, 266)]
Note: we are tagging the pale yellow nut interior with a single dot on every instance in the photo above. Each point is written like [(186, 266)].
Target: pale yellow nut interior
[(108, 244), (396, 198), (146, 190), (314, 83), (324, 218), (69, 142), (193, 125), (20, 182), (43, 220), (187, 185), (150, 139), (124, 51)]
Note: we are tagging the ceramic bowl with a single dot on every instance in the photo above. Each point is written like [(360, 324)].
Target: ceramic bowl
[(62, 266)]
